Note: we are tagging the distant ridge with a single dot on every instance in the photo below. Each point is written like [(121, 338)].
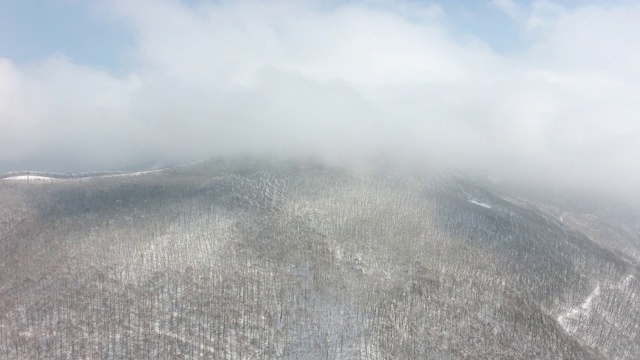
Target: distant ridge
[(53, 175), (82, 175)]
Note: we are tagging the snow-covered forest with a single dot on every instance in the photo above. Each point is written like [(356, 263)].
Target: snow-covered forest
[(255, 259)]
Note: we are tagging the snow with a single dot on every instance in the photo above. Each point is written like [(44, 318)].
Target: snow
[(484, 205), (30, 178), (137, 173), (574, 313), (41, 178)]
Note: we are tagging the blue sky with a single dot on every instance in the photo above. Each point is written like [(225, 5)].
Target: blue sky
[(541, 90), (34, 29)]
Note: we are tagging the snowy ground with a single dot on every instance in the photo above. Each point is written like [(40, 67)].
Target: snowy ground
[(484, 205), (30, 178), (573, 314)]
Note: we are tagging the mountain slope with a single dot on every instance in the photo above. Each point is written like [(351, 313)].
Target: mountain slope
[(255, 258)]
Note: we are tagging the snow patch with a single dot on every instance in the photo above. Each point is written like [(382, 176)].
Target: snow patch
[(484, 205), (565, 320), (30, 178), (137, 173), (41, 178)]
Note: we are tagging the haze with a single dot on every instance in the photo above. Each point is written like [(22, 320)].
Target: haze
[(543, 91)]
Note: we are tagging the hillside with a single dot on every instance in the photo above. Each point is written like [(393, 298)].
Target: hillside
[(253, 258)]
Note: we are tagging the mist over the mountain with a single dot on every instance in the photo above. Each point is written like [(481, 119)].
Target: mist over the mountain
[(343, 81)]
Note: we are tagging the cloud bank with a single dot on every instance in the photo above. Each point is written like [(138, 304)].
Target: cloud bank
[(342, 81)]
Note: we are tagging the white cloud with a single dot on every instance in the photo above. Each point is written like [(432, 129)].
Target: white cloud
[(508, 7), (343, 81), (543, 13)]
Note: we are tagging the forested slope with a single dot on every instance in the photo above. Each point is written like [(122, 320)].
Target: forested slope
[(253, 258)]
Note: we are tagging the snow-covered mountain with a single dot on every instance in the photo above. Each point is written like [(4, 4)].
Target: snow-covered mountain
[(256, 258)]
